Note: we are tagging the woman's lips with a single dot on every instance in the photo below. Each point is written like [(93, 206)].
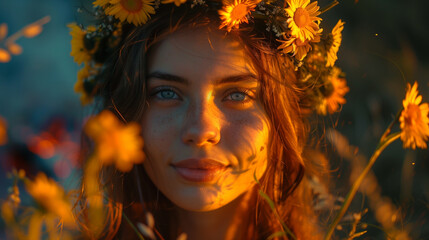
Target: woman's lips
[(199, 170)]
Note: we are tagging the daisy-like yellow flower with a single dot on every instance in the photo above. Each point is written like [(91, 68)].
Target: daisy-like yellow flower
[(115, 142), (233, 14), (414, 119), (79, 52), (298, 48), (3, 131), (51, 197), (332, 102), (303, 20), (176, 2), (83, 74), (136, 12), (100, 3), (336, 42)]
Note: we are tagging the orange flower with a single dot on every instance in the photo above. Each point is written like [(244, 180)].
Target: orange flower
[(4, 56), (233, 14), (115, 142), (51, 197), (414, 119), (336, 42), (332, 102), (298, 48), (303, 20)]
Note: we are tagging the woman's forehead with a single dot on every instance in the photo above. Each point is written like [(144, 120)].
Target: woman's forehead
[(200, 50)]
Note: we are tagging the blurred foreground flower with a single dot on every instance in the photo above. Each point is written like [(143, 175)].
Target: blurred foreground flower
[(3, 131), (8, 46), (115, 142), (51, 197), (414, 119)]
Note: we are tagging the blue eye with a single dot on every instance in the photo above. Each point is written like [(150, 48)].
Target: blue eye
[(239, 95), (165, 94)]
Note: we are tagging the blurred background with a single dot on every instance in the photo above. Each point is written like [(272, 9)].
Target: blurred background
[(384, 47)]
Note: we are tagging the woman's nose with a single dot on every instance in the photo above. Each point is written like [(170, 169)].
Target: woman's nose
[(202, 126)]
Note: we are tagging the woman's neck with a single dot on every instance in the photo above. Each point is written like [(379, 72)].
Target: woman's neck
[(228, 222)]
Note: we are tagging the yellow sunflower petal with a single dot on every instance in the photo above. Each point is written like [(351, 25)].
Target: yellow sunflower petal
[(303, 21), (136, 12), (233, 14), (414, 119), (336, 42)]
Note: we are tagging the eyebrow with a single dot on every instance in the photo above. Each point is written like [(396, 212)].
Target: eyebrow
[(175, 78)]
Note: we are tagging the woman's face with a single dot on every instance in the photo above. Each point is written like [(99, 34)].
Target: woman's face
[(206, 133)]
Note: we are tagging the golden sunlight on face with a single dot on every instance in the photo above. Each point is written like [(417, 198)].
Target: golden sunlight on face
[(205, 130)]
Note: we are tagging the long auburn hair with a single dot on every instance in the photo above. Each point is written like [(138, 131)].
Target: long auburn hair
[(124, 93)]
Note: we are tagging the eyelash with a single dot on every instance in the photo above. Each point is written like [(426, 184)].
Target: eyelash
[(248, 94), (159, 90)]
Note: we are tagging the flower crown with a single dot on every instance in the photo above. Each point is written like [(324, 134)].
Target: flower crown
[(295, 25)]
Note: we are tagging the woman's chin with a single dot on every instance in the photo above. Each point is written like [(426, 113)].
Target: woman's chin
[(201, 199)]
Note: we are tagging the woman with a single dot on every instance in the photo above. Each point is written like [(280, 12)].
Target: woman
[(221, 114)]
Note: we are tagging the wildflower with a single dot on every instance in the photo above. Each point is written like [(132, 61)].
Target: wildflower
[(3, 132), (14, 48), (4, 56), (32, 30), (414, 119), (232, 15), (303, 19), (101, 3), (336, 42), (134, 11), (298, 48), (51, 197), (176, 2), (115, 142), (79, 86), (332, 102), (79, 52)]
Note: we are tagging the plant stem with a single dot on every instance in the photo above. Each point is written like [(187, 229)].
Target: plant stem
[(383, 144), (389, 128), (132, 226), (331, 5)]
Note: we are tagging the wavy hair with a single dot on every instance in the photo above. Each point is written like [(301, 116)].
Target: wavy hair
[(125, 94)]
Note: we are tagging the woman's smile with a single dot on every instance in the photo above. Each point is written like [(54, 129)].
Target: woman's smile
[(202, 171)]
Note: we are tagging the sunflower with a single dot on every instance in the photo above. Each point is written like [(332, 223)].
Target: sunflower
[(233, 14), (78, 51), (100, 3), (134, 11), (115, 142), (332, 102), (303, 20), (414, 119), (83, 74), (176, 2), (298, 48), (336, 42)]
